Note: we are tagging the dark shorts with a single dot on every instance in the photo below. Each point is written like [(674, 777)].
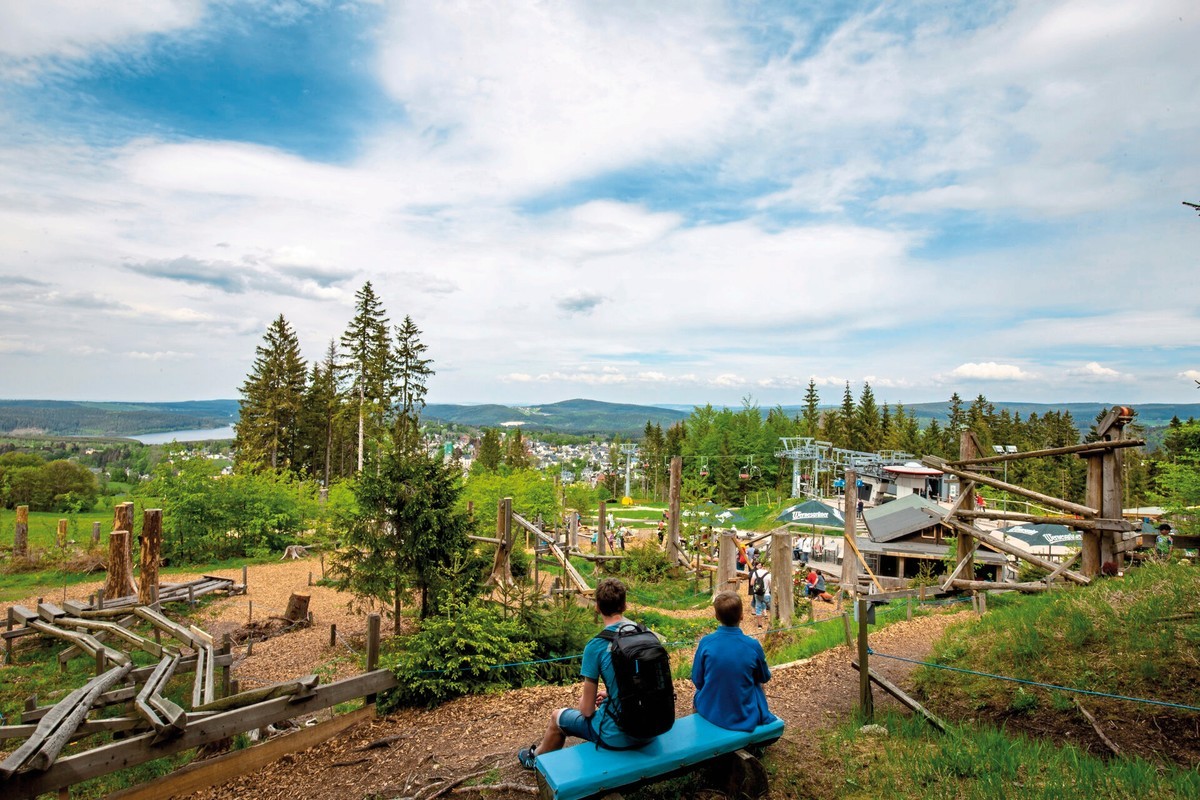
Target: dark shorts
[(572, 723)]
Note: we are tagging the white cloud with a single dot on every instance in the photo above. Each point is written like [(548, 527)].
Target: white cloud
[(1093, 370), (71, 29), (990, 371), (1190, 374), (160, 355)]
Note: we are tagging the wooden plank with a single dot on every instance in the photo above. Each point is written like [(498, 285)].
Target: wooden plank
[(201, 673), (122, 695), (57, 727), (1021, 491), (216, 771), (967, 559), (1013, 550), (305, 685), (898, 693), (141, 643), (22, 614), (139, 749), (167, 626), (1081, 449), (50, 612), (1041, 519), (988, 586), (863, 561), (87, 728)]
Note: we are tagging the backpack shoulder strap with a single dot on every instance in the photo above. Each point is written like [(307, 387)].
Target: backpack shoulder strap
[(606, 635)]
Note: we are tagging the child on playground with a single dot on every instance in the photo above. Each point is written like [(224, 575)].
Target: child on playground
[(729, 671), (587, 721)]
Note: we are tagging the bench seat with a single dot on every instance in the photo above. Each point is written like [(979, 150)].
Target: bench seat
[(585, 770)]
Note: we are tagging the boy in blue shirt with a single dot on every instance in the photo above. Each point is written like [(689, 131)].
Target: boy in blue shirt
[(589, 720), (729, 671)]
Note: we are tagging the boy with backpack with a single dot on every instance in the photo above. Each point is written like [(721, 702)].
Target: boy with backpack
[(729, 671), (638, 701)]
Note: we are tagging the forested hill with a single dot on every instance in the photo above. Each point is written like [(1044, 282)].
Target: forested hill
[(569, 416), (66, 418)]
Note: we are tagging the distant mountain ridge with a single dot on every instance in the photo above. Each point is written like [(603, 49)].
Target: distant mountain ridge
[(577, 416), (71, 418)]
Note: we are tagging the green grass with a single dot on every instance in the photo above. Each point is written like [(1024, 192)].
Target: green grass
[(43, 525), (1135, 636), (914, 761)]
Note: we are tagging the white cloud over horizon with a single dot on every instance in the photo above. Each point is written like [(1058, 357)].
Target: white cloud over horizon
[(665, 203)]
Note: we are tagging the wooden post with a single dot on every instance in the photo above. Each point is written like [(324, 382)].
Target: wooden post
[(1090, 550), (245, 585), (150, 555), (602, 530), (61, 537), (99, 599), (21, 533), (865, 701), (727, 564), (673, 544), (333, 635), (119, 582), (849, 583), (250, 612), (781, 578), (372, 648), (501, 574), (95, 533), (846, 625), (322, 566), (965, 545), (226, 649)]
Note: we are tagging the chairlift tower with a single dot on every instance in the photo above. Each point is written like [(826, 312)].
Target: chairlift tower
[(806, 450)]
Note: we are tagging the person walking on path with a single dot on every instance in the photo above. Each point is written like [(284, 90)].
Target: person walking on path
[(760, 592)]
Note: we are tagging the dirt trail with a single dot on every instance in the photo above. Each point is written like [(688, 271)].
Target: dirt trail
[(477, 733)]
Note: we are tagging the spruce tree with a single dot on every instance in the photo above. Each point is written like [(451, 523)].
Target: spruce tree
[(268, 430), (488, 457), (412, 370), (365, 366), (812, 410), (868, 435)]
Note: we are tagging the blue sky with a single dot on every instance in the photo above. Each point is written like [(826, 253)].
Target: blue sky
[(634, 202)]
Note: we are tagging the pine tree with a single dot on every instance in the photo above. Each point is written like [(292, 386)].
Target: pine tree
[(957, 421), (412, 370), (868, 435), (365, 367), (321, 406), (267, 432), (408, 530), (515, 455), (812, 410), (488, 457), (845, 424)]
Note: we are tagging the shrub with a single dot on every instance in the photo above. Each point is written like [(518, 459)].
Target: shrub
[(458, 654), (645, 563)]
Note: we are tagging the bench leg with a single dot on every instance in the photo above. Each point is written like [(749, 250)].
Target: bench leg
[(739, 774)]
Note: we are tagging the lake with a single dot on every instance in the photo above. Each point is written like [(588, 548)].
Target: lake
[(201, 435)]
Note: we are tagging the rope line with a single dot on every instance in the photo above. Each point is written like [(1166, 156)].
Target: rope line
[(1056, 687)]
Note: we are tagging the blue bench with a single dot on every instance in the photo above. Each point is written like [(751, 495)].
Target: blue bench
[(585, 770)]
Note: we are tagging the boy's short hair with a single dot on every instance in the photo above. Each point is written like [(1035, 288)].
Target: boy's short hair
[(728, 607), (610, 597)]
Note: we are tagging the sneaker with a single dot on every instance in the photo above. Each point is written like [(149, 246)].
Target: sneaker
[(526, 756)]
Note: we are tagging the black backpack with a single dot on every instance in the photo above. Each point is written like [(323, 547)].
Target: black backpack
[(760, 586), (645, 702)]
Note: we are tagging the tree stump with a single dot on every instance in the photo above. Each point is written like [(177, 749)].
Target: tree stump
[(149, 560), (738, 774), (294, 552), (297, 608), (120, 566)]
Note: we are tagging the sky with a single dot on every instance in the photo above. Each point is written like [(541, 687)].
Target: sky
[(642, 202)]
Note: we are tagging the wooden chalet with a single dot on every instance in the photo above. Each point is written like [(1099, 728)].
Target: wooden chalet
[(907, 534)]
